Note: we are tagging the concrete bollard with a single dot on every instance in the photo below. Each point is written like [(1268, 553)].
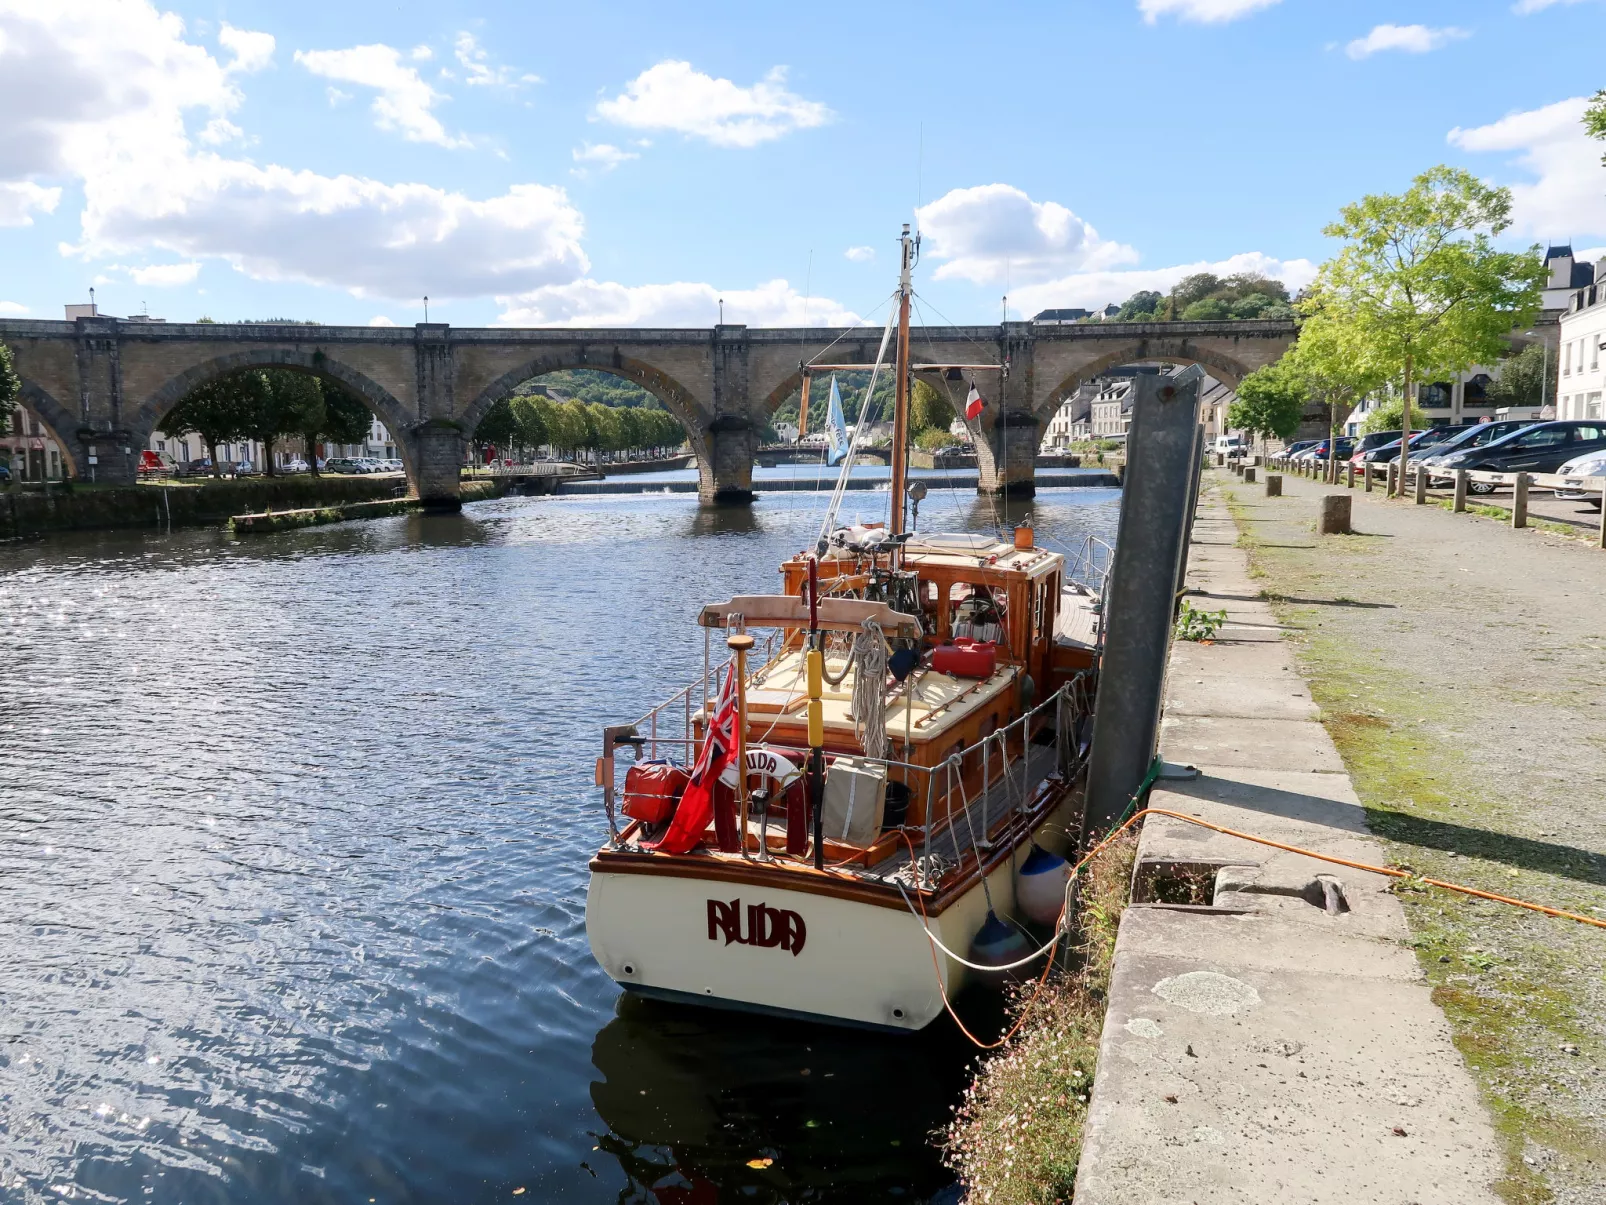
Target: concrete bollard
[(1274, 487), (1259, 460), (1349, 475), (1421, 485), (1460, 505), (1238, 467), (1519, 501), (1249, 474), (1221, 459), (1334, 516)]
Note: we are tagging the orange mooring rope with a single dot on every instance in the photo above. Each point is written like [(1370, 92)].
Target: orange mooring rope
[(1388, 871)]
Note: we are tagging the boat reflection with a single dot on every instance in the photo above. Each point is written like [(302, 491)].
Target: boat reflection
[(695, 1100)]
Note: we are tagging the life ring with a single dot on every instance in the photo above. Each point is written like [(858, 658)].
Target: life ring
[(764, 762)]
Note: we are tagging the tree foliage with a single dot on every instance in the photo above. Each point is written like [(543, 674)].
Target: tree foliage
[(1271, 402), (929, 408), (1387, 415), (1206, 297), (1595, 118), (10, 385), (1527, 378), (217, 411), (1418, 289), (265, 405)]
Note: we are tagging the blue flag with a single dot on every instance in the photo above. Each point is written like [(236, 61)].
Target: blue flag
[(836, 427)]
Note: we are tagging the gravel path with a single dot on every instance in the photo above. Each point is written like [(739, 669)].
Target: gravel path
[(1461, 669)]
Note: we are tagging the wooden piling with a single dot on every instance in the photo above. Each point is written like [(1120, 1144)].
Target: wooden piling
[(1349, 475), (1519, 501), (1421, 484)]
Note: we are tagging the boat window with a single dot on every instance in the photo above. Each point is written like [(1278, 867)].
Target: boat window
[(983, 615)]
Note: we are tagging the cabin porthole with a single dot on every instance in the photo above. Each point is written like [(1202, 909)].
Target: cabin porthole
[(897, 1014), (629, 969)]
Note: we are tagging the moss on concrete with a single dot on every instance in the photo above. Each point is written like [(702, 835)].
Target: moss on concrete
[(1513, 985)]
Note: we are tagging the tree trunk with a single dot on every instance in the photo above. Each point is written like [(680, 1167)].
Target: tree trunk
[(267, 457), (1331, 476), (211, 454), (1405, 430), (311, 440)]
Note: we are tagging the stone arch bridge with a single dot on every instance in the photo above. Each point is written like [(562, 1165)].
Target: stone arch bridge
[(102, 385)]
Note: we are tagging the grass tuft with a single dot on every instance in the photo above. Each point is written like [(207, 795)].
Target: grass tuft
[(1017, 1135)]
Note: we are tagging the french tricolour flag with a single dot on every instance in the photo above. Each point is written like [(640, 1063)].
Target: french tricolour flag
[(974, 404)]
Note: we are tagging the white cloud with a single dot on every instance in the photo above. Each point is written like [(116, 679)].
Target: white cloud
[(995, 232), (860, 255), (166, 275), (682, 304), (1567, 196), (99, 92), (478, 70), (1524, 7), (1092, 289), (405, 100), (1207, 12), (220, 130), (1412, 39), (252, 50), (381, 320), (673, 96), (13, 308), (20, 200), (601, 155), (421, 54)]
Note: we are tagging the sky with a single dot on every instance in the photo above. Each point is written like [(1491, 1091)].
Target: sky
[(633, 164)]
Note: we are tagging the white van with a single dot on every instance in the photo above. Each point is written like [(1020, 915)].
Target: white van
[(1231, 445)]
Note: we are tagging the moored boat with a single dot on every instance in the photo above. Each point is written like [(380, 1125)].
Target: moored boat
[(867, 803)]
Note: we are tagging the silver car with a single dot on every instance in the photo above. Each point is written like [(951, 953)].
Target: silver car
[(1576, 485)]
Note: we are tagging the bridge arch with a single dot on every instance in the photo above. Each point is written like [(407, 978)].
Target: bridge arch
[(379, 400), (61, 425), (1225, 369), (674, 396)]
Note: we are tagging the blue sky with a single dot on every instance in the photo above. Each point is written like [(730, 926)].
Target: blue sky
[(631, 164)]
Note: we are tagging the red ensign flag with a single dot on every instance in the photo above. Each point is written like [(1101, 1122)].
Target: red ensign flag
[(974, 404)]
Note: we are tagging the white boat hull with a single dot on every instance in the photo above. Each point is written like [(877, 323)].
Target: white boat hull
[(688, 937)]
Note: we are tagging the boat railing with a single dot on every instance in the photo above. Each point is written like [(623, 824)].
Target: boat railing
[(1089, 564), (967, 825)]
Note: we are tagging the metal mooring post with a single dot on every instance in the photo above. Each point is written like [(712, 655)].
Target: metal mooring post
[(1150, 551)]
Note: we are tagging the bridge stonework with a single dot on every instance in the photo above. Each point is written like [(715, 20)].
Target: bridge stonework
[(102, 385)]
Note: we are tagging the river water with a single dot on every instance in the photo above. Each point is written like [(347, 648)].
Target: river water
[(293, 843)]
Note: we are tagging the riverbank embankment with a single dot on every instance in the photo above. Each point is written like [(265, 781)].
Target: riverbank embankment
[(1457, 664), (190, 503), (267, 522), (1270, 1033), (824, 482)]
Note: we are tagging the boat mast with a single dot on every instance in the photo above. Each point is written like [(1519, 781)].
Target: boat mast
[(900, 413)]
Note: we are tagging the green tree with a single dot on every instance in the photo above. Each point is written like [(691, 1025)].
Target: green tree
[(1271, 402), (217, 411), (323, 410), (1140, 306), (1418, 287), (1207, 309), (532, 416), (1331, 374), (605, 429), (1195, 288), (1527, 378), (929, 408), (10, 385), (498, 428), (277, 398), (1387, 415), (1595, 118)]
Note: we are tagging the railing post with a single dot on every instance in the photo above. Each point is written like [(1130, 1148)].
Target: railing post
[(1395, 485), (1421, 484), (1519, 501), (1600, 536), (1460, 505), (1367, 469), (1349, 475)]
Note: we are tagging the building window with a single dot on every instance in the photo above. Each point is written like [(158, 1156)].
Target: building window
[(1592, 406), (1567, 359)]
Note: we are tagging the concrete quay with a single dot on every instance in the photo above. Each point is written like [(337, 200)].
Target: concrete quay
[(1275, 1041)]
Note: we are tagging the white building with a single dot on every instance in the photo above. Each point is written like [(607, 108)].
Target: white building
[(1566, 277), (28, 448), (1579, 379)]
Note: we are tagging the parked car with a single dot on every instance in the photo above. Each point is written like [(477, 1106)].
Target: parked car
[(393, 465), (196, 468), (1319, 450), (1387, 452), (1475, 436), (1230, 445), (341, 464), (243, 468), (1299, 445), (1590, 464), (1536, 448), (5, 473), (294, 465)]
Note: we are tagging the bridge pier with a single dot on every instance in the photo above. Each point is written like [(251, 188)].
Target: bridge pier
[(437, 464), (725, 466), (1006, 456)]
